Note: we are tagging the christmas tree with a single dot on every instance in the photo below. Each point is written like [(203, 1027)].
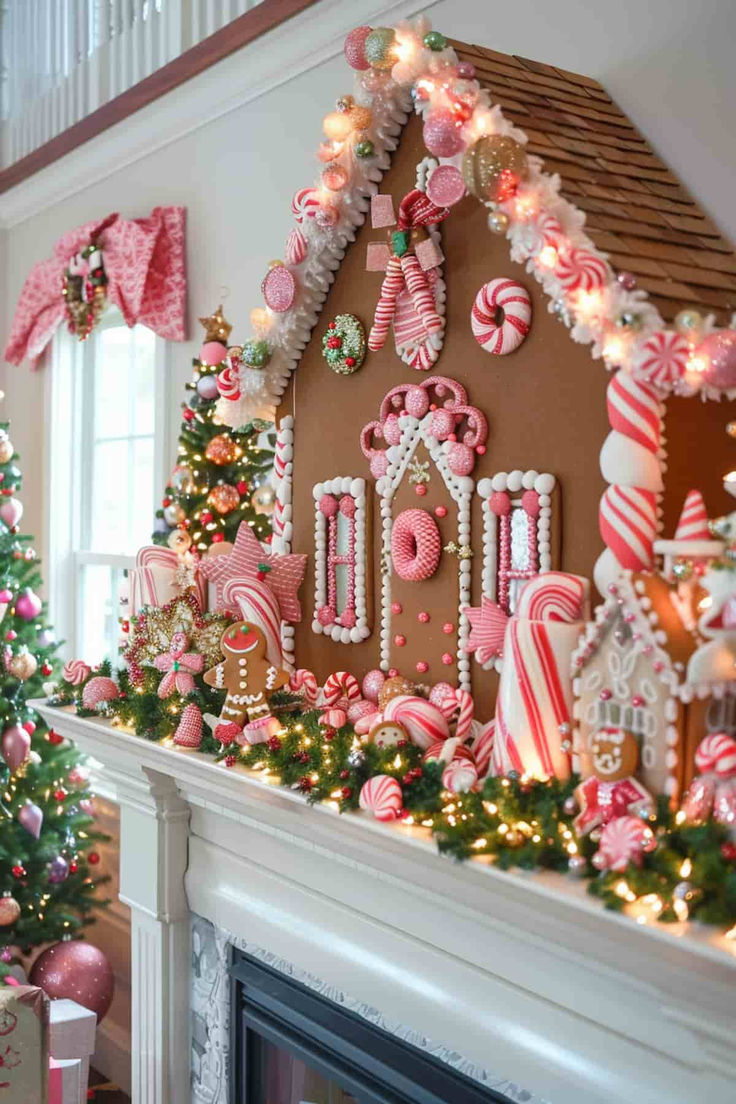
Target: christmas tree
[(47, 840), (221, 475)]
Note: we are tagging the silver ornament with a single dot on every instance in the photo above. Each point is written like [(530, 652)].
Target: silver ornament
[(577, 865), (498, 222), (570, 806), (683, 891), (622, 633)]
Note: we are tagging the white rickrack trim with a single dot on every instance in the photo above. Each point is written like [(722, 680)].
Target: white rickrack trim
[(356, 488), (513, 482), (283, 525)]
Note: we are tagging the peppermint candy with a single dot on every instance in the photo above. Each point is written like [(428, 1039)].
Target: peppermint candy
[(305, 204), (423, 721), (634, 410), (76, 671), (228, 383), (662, 359), (536, 236), (296, 247), (460, 776), (382, 797), (501, 316), (581, 270), (340, 685), (717, 753), (623, 840)]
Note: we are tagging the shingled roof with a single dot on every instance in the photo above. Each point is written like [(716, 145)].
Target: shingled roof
[(637, 210)]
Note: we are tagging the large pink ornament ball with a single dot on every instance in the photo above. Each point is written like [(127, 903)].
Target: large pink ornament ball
[(373, 684), (442, 135), (27, 604), (212, 352), (76, 971), (718, 352), (355, 48)]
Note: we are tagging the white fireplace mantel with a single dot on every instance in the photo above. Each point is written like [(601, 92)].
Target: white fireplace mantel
[(525, 975)]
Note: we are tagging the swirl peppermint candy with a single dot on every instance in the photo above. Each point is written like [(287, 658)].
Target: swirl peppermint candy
[(580, 270), (75, 672), (501, 316)]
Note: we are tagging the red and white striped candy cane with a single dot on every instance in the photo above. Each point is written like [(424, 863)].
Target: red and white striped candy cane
[(459, 701), (392, 284), (340, 685), (418, 287), (304, 681)]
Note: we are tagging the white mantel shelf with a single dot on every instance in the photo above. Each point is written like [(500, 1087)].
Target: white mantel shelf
[(524, 974)]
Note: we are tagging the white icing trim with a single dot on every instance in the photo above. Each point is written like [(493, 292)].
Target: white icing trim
[(460, 487), (283, 524), (513, 482), (356, 488)]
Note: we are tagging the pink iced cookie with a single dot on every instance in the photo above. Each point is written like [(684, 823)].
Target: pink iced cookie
[(446, 186), (279, 288)]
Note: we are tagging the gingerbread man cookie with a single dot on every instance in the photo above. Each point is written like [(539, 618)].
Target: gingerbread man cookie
[(246, 674), (611, 791)]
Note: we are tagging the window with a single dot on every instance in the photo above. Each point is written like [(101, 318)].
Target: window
[(340, 608), (106, 467)]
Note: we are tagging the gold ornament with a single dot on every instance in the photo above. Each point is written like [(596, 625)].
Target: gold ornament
[(689, 322), (216, 327), (731, 429), (393, 688), (9, 910), (263, 499), (182, 479), (6, 449), (221, 450), (179, 540), (23, 665), (224, 498), (493, 167), (181, 614)]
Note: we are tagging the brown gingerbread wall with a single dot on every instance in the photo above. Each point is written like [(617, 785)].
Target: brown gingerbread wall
[(545, 406)]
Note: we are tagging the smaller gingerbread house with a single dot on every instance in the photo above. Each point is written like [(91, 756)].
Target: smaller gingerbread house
[(660, 657)]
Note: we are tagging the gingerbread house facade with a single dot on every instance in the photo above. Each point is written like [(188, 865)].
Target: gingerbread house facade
[(490, 467)]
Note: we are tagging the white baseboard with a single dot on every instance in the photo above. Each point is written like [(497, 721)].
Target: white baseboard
[(112, 1054)]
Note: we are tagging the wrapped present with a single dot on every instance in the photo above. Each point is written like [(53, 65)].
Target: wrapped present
[(65, 1081), (72, 1035), (161, 574), (24, 1044), (534, 703)]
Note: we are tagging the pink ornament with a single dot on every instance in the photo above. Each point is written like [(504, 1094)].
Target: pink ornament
[(423, 721), (11, 511), (296, 247), (278, 288), (189, 730), (30, 817), (372, 684), (442, 135), (392, 430), (381, 795), (355, 48), (446, 186), (719, 353), (98, 690), (76, 671), (212, 352), (416, 401), (459, 776), (460, 459), (76, 971), (6, 596), (16, 745), (440, 693), (28, 605)]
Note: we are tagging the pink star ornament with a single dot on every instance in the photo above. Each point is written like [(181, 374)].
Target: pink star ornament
[(487, 630), (282, 574)]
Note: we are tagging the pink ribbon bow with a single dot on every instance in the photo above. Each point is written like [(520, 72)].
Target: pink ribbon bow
[(180, 665)]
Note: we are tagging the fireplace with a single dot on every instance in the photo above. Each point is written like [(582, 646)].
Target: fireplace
[(289, 1045)]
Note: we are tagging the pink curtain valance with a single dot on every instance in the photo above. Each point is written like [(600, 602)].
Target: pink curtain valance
[(145, 265)]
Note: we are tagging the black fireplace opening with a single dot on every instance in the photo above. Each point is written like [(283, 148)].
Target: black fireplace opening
[(289, 1045)]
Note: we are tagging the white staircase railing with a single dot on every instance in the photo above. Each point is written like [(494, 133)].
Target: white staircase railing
[(62, 59)]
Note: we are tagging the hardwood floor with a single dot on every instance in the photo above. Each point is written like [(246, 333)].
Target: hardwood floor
[(103, 1092)]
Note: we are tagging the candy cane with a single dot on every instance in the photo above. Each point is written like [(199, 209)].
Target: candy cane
[(418, 287), (463, 701), (304, 680), (392, 284), (339, 685)]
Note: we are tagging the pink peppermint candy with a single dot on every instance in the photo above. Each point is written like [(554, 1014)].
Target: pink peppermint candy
[(580, 270), (304, 682), (501, 316), (623, 840), (460, 776), (340, 685), (305, 204), (662, 359), (717, 754), (228, 383), (296, 247), (76, 671), (423, 722), (382, 797)]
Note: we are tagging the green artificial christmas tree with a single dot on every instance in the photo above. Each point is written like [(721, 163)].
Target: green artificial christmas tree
[(47, 837), (221, 475)]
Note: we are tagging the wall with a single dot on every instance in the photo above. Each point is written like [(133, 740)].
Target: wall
[(236, 164)]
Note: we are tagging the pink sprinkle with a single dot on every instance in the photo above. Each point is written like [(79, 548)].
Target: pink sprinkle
[(440, 511), (629, 618), (423, 617), (393, 672), (637, 701), (605, 695), (448, 627), (480, 449), (446, 659), (612, 588), (396, 607), (422, 666), (446, 186), (279, 288), (421, 489), (658, 665), (399, 640)]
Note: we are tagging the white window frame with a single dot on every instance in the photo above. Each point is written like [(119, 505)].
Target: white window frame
[(69, 443)]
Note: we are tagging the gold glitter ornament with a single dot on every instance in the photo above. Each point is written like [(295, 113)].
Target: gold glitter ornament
[(221, 450), (263, 499), (223, 498), (394, 687), (216, 327), (154, 627), (179, 540), (23, 665), (6, 449), (9, 910), (493, 167)]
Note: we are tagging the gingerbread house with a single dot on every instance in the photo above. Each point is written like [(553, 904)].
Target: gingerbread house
[(483, 300)]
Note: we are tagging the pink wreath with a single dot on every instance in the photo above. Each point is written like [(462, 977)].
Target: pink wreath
[(415, 545)]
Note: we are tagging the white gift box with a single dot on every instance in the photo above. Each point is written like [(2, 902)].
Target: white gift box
[(65, 1081), (72, 1035)]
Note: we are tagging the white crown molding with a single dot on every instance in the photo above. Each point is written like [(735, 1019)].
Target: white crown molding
[(302, 43)]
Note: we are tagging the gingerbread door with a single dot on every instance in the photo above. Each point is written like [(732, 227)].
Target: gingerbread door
[(424, 484)]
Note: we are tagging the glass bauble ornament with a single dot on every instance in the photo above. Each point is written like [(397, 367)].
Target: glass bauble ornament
[(221, 450), (498, 222), (9, 910), (263, 499), (718, 352), (182, 479), (22, 666), (493, 167), (380, 48), (689, 322), (76, 970), (223, 498), (207, 386), (179, 540), (58, 870), (174, 513), (6, 448)]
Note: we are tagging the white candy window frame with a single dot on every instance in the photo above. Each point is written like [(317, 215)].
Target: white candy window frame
[(354, 560)]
